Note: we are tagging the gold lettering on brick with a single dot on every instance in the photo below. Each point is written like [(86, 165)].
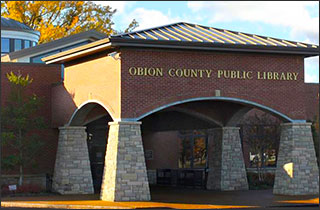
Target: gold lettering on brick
[(283, 76), (170, 72), (194, 73), (132, 71), (209, 73), (219, 73)]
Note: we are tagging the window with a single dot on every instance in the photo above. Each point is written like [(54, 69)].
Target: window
[(26, 43), (74, 46), (5, 45), (62, 72), (37, 59), (199, 152), (17, 44), (185, 160), (193, 150), (34, 44)]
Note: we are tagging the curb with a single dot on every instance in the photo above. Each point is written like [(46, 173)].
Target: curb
[(58, 206)]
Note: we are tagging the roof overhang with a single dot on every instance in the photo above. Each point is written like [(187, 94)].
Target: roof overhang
[(91, 35), (116, 42), (121, 42), (79, 52)]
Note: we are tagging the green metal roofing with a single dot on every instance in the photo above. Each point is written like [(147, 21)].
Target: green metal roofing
[(193, 33)]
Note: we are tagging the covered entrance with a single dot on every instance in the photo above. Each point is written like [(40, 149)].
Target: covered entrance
[(180, 77), (192, 166)]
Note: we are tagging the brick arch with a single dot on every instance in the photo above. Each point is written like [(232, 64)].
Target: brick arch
[(244, 102), (80, 115)]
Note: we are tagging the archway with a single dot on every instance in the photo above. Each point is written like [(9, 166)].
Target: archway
[(95, 117), (165, 128), (81, 150), (88, 112), (244, 106)]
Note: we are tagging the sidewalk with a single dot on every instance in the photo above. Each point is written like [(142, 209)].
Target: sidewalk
[(163, 197)]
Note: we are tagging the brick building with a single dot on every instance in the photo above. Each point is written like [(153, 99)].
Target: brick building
[(171, 97)]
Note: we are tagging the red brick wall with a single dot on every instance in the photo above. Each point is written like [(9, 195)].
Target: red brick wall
[(43, 78), (312, 100), (140, 94), (165, 147)]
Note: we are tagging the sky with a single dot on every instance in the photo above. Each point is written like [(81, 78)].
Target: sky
[(295, 20)]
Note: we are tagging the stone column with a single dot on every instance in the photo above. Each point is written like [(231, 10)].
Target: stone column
[(125, 175), (297, 170), (72, 173), (226, 165)]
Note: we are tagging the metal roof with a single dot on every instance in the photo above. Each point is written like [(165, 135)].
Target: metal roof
[(92, 35), (193, 33), (188, 36), (10, 24)]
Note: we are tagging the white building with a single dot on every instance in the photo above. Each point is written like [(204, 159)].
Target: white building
[(16, 36), (19, 42)]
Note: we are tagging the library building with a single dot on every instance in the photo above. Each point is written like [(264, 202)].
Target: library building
[(170, 106)]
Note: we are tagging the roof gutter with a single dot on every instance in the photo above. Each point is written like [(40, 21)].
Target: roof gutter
[(78, 52), (115, 42), (118, 42)]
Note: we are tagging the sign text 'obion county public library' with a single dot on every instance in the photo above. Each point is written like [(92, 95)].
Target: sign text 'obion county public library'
[(208, 73)]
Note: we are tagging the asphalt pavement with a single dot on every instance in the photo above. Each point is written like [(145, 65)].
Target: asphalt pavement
[(173, 198)]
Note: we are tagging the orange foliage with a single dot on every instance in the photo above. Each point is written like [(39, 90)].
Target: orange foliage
[(57, 19)]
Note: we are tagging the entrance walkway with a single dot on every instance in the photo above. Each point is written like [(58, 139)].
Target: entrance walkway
[(261, 198), (167, 197)]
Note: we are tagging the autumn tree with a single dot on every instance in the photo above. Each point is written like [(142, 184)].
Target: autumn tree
[(57, 19), (261, 133), (19, 122)]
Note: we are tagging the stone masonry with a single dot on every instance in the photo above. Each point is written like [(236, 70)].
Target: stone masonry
[(72, 173), (125, 175), (226, 164), (297, 170)]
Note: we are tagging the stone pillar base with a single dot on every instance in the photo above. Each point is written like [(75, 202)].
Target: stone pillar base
[(226, 164), (125, 175), (72, 173), (297, 170)]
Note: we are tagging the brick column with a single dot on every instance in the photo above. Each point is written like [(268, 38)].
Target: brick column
[(125, 175), (72, 173), (226, 165), (297, 170)]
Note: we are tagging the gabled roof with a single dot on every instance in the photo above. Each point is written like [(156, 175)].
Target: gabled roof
[(192, 37), (41, 48), (187, 32)]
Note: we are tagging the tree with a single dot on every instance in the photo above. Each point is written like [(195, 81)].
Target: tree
[(57, 19), (19, 122), (262, 134)]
